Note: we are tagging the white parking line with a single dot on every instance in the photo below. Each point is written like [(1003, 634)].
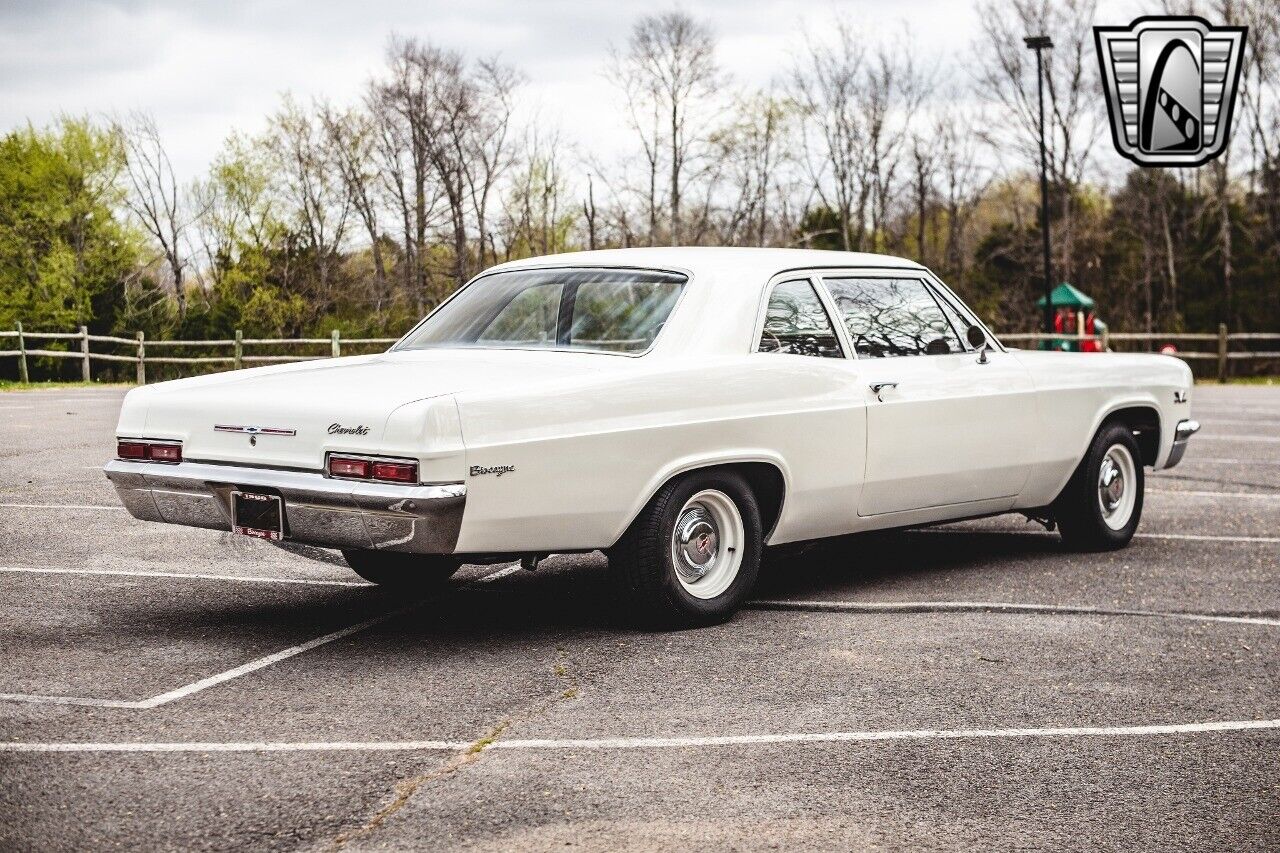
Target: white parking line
[(999, 607), (244, 669), (1196, 537), (1195, 494), (1191, 537), (181, 575), (571, 744), (1228, 419), (1231, 461), (62, 506)]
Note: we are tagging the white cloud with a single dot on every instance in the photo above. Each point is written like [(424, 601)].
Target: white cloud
[(207, 68)]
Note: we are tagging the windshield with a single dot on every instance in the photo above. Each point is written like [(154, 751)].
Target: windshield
[(579, 309)]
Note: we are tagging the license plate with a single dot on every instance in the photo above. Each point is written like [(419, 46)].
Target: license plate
[(258, 515)]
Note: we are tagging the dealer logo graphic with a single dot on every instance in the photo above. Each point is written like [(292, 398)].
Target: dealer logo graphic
[(1171, 86)]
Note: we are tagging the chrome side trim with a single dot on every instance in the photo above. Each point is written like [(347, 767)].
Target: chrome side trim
[(319, 511), (1181, 435)]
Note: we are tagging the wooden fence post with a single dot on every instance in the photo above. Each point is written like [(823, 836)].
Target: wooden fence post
[(1222, 352), (239, 349), (335, 345), (84, 349), (142, 358), (23, 376)]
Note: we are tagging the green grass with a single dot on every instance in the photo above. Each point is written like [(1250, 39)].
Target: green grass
[(11, 385), (1243, 380)]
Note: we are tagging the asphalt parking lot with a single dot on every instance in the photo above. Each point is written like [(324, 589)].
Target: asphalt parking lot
[(969, 686)]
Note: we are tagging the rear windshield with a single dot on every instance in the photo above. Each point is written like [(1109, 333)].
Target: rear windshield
[(574, 309)]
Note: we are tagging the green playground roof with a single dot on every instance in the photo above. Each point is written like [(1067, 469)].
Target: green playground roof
[(1066, 296)]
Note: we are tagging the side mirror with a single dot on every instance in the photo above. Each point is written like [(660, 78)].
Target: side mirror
[(978, 340)]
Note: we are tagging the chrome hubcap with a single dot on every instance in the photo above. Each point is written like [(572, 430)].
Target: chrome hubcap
[(1110, 485), (1117, 484), (697, 541), (706, 544)]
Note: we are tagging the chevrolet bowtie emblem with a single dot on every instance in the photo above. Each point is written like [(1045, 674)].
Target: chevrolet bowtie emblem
[(1170, 84), (254, 430)]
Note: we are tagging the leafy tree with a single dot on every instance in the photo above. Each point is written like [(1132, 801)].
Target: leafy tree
[(65, 257)]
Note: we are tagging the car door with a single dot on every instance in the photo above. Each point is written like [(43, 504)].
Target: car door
[(944, 426)]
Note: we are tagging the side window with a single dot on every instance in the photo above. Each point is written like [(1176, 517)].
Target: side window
[(889, 317), (796, 323)]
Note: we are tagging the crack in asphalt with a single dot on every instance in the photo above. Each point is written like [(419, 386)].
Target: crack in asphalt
[(404, 790)]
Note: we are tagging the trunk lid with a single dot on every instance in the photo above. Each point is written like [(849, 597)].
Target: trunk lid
[(331, 405)]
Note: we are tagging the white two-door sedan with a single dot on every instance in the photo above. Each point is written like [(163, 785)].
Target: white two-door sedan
[(677, 408)]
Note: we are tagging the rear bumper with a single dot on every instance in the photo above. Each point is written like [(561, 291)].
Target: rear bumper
[(1181, 436), (318, 510)]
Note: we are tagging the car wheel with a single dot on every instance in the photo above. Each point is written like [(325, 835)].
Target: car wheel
[(1100, 508), (401, 570), (693, 554)]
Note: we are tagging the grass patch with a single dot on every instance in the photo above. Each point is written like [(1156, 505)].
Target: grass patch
[(1243, 380), (12, 385)]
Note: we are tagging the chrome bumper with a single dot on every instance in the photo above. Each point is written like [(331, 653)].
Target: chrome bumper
[(1181, 436), (318, 510)]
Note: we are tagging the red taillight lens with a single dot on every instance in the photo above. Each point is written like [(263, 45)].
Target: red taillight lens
[(131, 450), (147, 451), (396, 472), (166, 452), (373, 469), (342, 467)]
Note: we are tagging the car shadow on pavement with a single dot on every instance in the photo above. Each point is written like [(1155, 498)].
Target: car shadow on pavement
[(574, 593)]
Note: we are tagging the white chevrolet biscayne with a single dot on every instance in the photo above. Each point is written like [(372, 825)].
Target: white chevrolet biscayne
[(679, 409)]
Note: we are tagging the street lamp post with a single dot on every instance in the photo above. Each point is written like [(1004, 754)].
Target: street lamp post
[(1039, 44)]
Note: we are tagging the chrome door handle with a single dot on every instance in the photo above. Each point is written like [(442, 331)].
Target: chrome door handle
[(877, 387)]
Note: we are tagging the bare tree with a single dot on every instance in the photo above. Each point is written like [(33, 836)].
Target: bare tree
[(486, 151), (537, 220), (895, 87), (314, 191), (668, 73), (753, 149), (350, 140), (827, 85), (1073, 102), (963, 183), (156, 200)]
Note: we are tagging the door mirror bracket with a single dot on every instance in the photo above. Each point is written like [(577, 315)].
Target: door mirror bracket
[(978, 340)]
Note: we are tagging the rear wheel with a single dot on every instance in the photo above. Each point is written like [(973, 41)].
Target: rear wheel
[(401, 570), (1101, 506), (693, 554)]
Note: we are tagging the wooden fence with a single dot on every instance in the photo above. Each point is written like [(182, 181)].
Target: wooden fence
[(1221, 352), (140, 357)]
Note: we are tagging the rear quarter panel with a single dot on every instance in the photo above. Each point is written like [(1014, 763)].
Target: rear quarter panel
[(1076, 392), (589, 452)]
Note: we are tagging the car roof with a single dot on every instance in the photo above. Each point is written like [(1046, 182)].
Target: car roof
[(711, 260)]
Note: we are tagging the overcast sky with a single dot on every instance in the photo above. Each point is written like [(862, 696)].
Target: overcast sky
[(204, 68)]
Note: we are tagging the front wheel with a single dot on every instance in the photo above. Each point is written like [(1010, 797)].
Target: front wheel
[(693, 554), (400, 570), (1100, 508)]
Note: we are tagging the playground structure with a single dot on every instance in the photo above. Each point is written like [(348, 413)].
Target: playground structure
[(1075, 321)]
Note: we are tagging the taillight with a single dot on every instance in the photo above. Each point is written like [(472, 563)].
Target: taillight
[(358, 468), (149, 451), (166, 453), (396, 472), (373, 469), (131, 450)]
